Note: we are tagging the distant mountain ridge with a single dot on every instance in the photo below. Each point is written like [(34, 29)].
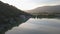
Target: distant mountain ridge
[(48, 9)]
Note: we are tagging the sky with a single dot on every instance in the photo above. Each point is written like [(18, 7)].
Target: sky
[(31, 4)]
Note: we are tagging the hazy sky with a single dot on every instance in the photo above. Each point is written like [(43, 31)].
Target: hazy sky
[(31, 4)]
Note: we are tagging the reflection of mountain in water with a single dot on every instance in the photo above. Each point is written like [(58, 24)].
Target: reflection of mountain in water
[(8, 26), (10, 16)]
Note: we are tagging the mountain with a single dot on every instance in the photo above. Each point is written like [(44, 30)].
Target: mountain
[(48, 9), (10, 16), (10, 12)]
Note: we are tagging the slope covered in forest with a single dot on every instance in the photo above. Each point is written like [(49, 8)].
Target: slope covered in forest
[(11, 16)]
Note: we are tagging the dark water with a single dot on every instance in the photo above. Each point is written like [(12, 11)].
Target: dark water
[(37, 26)]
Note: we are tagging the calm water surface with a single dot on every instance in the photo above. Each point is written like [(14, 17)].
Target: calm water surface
[(37, 26)]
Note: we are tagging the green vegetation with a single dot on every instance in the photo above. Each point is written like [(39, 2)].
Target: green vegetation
[(9, 12)]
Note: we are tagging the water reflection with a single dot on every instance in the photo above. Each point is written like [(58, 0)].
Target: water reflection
[(37, 26), (11, 24)]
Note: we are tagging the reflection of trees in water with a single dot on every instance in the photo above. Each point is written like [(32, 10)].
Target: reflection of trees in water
[(10, 17), (46, 16)]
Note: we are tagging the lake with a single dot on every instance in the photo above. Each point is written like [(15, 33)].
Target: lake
[(37, 26)]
